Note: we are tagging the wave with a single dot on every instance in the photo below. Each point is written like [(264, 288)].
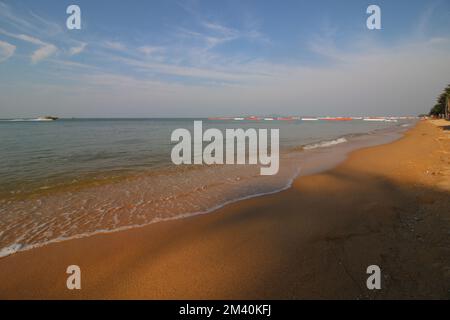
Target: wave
[(19, 247), (25, 120), (11, 249), (325, 144)]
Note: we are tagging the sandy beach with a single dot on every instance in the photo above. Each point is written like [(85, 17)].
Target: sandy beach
[(387, 205)]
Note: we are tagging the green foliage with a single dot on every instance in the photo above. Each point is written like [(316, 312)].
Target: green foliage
[(437, 110), (439, 107)]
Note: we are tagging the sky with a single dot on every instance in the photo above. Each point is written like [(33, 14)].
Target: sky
[(188, 58)]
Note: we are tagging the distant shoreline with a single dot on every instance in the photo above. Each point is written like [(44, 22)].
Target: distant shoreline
[(230, 118)]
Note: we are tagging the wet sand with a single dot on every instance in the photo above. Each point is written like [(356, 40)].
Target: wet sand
[(387, 205)]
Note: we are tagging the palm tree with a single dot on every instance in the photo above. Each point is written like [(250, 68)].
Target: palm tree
[(442, 104), (447, 103)]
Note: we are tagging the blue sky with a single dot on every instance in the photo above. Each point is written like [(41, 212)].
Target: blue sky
[(203, 58)]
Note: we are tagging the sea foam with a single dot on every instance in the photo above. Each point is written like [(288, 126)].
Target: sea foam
[(4, 252), (325, 144)]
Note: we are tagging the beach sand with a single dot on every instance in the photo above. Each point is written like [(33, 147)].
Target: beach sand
[(387, 205)]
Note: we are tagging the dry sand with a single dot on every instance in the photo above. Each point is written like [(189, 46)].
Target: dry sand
[(387, 205)]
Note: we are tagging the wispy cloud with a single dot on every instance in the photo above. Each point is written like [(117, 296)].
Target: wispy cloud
[(213, 34), (150, 50), (325, 47), (6, 50), (47, 26), (77, 49), (424, 19), (219, 34), (28, 21), (193, 59), (12, 19), (115, 45), (23, 37), (233, 75), (45, 50), (30, 27)]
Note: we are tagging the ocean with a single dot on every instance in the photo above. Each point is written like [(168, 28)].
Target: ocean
[(73, 178)]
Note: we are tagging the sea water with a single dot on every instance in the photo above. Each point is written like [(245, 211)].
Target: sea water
[(77, 177)]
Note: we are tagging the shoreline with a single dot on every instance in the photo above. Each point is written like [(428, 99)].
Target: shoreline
[(265, 247), (339, 152)]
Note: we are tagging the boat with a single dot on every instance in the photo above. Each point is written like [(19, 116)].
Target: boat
[(285, 118), (309, 119), (339, 119), (47, 118)]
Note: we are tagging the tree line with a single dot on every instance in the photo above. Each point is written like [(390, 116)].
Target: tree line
[(441, 106)]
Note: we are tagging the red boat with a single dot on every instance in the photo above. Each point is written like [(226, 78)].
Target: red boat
[(252, 118)]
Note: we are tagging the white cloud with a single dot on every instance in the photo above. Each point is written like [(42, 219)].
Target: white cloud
[(43, 52), (24, 37), (6, 50)]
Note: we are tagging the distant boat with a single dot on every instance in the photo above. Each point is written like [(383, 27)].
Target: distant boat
[(309, 119), (337, 119), (47, 118)]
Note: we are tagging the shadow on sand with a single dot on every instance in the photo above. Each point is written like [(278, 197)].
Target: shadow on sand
[(314, 240)]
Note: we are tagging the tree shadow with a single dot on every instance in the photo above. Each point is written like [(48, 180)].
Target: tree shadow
[(314, 240)]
